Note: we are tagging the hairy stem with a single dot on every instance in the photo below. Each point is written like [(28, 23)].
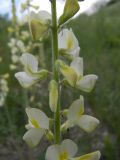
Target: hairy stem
[(55, 72)]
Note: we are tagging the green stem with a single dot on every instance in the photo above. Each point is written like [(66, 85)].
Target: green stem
[(55, 72)]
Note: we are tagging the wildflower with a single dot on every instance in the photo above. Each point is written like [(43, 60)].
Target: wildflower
[(75, 116), (39, 24), (31, 75), (74, 75), (38, 124), (67, 150), (68, 43)]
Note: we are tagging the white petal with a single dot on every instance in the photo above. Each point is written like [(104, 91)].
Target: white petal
[(33, 136), (25, 80), (38, 116), (69, 147), (29, 61), (62, 36), (42, 16), (91, 156), (87, 83), (75, 52), (76, 110), (88, 123), (53, 152), (77, 65), (67, 40)]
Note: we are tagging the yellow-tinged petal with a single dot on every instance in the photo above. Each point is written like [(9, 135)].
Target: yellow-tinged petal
[(68, 43), (68, 72), (38, 29), (39, 24), (91, 156), (77, 65), (37, 118), (69, 147), (66, 150), (76, 110), (53, 95), (70, 9), (87, 123)]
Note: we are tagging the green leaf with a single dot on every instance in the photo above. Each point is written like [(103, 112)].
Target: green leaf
[(70, 9)]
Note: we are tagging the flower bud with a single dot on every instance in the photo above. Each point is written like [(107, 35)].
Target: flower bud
[(70, 9), (53, 95)]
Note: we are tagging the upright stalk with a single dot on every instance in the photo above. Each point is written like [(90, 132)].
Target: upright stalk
[(55, 72)]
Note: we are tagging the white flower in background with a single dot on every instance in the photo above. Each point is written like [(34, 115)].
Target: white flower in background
[(3, 91), (20, 45), (12, 42), (68, 43), (16, 45), (37, 125), (39, 24), (31, 75), (15, 58), (67, 150), (14, 50), (25, 35), (75, 116), (74, 75)]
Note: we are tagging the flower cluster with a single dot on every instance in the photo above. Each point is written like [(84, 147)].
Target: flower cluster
[(3, 89), (70, 66)]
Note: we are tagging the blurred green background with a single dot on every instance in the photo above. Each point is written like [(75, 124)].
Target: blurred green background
[(99, 39)]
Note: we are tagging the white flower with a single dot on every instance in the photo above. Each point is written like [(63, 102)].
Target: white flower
[(12, 42), (39, 23), (67, 150), (31, 74), (3, 91), (74, 75), (38, 124), (68, 43), (15, 58), (75, 116), (20, 45), (14, 50), (85, 83)]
